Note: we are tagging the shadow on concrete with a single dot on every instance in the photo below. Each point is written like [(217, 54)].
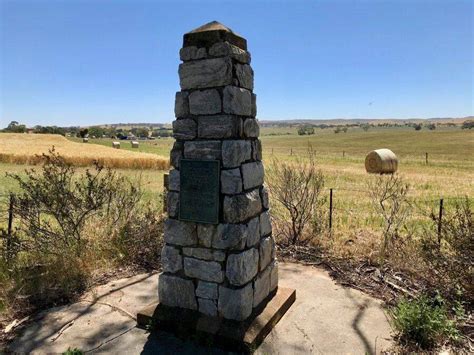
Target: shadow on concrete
[(108, 329), (361, 308), (159, 342)]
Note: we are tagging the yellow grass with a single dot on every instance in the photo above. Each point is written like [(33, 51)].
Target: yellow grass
[(20, 148)]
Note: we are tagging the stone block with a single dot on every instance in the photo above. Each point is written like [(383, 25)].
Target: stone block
[(253, 110), (205, 102), (201, 53), (176, 154), (239, 208), (251, 128), (207, 290), (237, 101), (230, 236), (204, 253), (235, 152), (222, 49), (231, 181), (198, 253), (265, 224), (257, 150), (206, 233), (242, 267), (187, 53), (235, 304), (173, 180), (266, 252), (253, 232), (273, 275), (203, 270), (202, 150), (244, 74), (218, 127), (181, 104), (171, 260), (180, 232), (208, 307), (205, 73), (261, 287), (264, 196), (175, 291), (252, 174), (172, 204), (184, 129), (218, 255)]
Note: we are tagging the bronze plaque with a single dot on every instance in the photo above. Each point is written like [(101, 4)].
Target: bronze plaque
[(199, 190)]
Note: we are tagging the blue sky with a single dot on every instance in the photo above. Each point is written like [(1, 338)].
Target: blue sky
[(92, 62)]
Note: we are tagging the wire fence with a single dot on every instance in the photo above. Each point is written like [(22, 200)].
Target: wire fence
[(347, 209)]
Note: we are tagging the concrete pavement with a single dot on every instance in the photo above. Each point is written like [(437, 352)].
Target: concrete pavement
[(325, 319)]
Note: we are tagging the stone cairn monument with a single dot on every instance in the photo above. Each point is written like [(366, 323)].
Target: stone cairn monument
[(219, 254)]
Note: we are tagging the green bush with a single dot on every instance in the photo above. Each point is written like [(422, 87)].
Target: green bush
[(70, 224), (423, 322)]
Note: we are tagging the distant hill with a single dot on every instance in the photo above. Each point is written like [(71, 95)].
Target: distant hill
[(336, 121), (344, 121)]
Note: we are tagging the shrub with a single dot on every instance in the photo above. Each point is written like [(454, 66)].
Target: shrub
[(70, 224), (389, 198), (423, 322), (469, 124), (450, 258), (296, 186), (54, 207)]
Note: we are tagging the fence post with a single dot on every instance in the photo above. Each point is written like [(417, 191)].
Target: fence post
[(165, 191), (291, 151), (10, 227), (440, 220), (426, 158), (272, 151), (343, 153), (330, 210)]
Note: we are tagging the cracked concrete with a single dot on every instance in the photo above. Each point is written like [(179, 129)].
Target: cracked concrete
[(326, 318)]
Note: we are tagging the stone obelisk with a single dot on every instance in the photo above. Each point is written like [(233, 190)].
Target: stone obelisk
[(219, 254)]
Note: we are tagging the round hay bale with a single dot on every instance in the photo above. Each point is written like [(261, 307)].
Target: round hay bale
[(116, 145), (135, 144), (85, 140), (381, 161)]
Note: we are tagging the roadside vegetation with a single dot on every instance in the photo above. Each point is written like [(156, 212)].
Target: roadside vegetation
[(428, 267), (69, 227)]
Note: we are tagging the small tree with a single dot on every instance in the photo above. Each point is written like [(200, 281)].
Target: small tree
[(418, 127), (297, 187), (389, 198), (55, 205), (469, 124)]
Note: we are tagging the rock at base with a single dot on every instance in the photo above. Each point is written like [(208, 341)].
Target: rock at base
[(175, 291), (235, 303)]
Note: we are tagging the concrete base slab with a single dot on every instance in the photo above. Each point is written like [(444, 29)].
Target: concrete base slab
[(243, 336), (326, 318)]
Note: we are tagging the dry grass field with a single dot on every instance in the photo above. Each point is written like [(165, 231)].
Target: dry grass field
[(449, 173), (25, 148)]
